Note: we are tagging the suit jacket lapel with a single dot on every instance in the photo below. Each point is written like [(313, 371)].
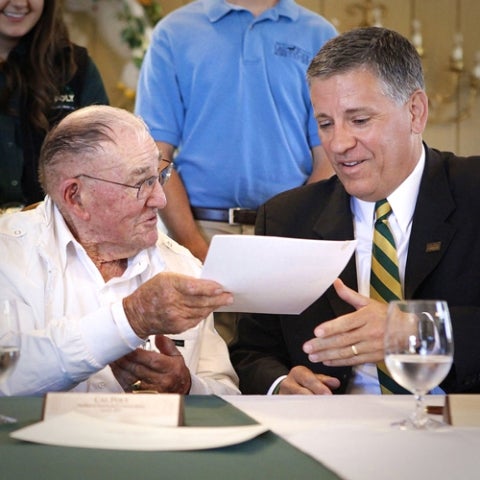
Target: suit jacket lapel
[(429, 238), (431, 234), (335, 222)]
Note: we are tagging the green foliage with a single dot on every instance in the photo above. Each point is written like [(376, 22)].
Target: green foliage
[(134, 32), (153, 11)]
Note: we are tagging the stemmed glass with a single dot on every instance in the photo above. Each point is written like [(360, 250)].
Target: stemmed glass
[(9, 343), (418, 352)]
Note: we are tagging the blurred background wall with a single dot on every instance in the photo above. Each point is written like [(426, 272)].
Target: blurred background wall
[(446, 32)]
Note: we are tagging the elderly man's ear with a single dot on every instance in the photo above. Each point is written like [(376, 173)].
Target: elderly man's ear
[(72, 198)]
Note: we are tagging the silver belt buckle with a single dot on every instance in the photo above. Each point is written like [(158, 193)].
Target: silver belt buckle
[(231, 215)]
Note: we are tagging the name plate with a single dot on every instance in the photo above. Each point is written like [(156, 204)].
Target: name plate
[(164, 409), (462, 410)]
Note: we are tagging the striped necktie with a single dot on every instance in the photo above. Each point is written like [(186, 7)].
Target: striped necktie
[(385, 280)]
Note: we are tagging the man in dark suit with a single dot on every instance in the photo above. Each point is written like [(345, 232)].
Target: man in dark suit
[(368, 94)]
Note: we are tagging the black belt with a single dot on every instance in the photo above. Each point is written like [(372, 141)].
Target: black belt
[(229, 215)]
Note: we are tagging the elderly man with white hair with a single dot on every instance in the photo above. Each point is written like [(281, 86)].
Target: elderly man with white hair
[(94, 279)]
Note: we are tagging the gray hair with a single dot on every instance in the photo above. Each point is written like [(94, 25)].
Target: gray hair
[(81, 137), (385, 53)]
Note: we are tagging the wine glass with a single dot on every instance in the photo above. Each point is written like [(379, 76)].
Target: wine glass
[(418, 351), (9, 343)]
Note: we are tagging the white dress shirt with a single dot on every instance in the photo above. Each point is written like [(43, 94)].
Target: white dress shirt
[(402, 202), (73, 321)]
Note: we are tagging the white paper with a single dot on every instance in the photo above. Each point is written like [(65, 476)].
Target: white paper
[(74, 429), (274, 274)]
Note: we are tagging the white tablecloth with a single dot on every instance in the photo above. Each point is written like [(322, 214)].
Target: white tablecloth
[(352, 435)]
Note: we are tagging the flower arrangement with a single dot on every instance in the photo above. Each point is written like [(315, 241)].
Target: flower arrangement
[(139, 18)]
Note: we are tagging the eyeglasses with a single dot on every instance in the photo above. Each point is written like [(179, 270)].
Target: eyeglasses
[(145, 188)]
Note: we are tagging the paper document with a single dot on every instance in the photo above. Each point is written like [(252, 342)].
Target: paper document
[(274, 274)]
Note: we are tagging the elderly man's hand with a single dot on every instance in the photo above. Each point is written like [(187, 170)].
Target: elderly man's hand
[(163, 372), (172, 303), (302, 381), (351, 339)]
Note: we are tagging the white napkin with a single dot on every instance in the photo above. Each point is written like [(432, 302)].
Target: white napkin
[(74, 429)]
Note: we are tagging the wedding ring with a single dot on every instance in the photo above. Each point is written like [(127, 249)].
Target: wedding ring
[(136, 385), (354, 350)]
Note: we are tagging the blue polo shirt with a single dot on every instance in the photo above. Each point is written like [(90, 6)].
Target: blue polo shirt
[(229, 90)]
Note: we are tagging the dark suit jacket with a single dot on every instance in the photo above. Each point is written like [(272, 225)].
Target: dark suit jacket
[(443, 262)]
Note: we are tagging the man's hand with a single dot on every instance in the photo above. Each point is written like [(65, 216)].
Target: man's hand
[(172, 303), (163, 372), (351, 339), (302, 381)]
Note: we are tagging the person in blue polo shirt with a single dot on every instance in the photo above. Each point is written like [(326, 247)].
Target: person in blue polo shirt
[(223, 89)]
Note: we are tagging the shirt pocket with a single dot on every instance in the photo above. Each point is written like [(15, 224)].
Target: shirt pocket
[(188, 344)]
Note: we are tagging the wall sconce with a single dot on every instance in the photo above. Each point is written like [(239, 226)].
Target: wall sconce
[(464, 86), (456, 105), (371, 13)]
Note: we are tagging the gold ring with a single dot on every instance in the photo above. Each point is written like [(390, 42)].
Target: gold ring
[(354, 350), (136, 385)]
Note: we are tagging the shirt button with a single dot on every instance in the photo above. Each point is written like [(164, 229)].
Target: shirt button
[(14, 183), (101, 386)]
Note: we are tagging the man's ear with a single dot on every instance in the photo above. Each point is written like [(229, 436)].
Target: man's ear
[(419, 111), (71, 191)]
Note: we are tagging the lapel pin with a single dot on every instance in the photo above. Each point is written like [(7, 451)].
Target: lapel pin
[(433, 247)]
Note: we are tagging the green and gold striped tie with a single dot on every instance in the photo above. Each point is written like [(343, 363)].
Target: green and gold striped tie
[(385, 279)]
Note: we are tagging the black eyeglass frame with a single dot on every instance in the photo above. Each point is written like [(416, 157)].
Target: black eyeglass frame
[(162, 178)]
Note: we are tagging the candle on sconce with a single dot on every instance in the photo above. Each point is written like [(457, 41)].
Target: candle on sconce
[(377, 17), (456, 57), (475, 73), (417, 38)]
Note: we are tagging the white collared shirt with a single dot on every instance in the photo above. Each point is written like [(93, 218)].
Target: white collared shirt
[(402, 202), (73, 322)]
